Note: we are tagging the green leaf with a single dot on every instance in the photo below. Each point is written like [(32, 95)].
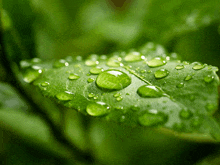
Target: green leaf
[(138, 88)]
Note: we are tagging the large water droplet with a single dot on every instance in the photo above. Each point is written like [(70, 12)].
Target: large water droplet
[(180, 85), (152, 118), (73, 76), (185, 114), (156, 62), (179, 67), (97, 109), (60, 63), (113, 80), (198, 66), (161, 73), (65, 96), (133, 56), (209, 78), (188, 77), (149, 91), (96, 70)]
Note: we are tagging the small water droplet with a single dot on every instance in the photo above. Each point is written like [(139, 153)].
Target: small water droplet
[(113, 80), (133, 56), (113, 62), (209, 78), (119, 98), (185, 114), (149, 71), (179, 67), (78, 58), (156, 62), (143, 71), (73, 76), (97, 109), (153, 118), (188, 77), (196, 122), (36, 60), (60, 63), (91, 62), (122, 119), (198, 66), (161, 73), (95, 97), (117, 94), (185, 62), (91, 95), (45, 84), (180, 85), (119, 108), (24, 64), (135, 108), (103, 57), (32, 74), (96, 70), (90, 80), (65, 96), (210, 107), (149, 91)]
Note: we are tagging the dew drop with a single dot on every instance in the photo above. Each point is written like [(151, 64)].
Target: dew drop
[(65, 96), (180, 85), (161, 73), (97, 109), (156, 62), (149, 91), (45, 84), (143, 71), (188, 77), (36, 60), (90, 80), (122, 119), (179, 67), (90, 62), (152, 118), (24, 64), (185, 114), (31, 74), (95, 97), (91, 95), (96, 70), (113, 80), (60, 63), (117, 94), (133, 56), (113, 62), (209, 78), (198, 66), (119, 98), (73, 76), (135, 108)]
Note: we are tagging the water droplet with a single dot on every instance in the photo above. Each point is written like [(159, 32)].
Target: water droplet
[(179, 67), (31, 74), (117, 94), (24, 64), (188, 77), (65, 96), (113, 80), (196, 122), (97, 109), (185, 62), (133, 56), (149, 91), (198, 66), (119, 108), (73, 76), (185, 114), (122, 119), (135, 108), (91, 95), (152, 118), (36, 60), (60, 63), (78, 58), (113, 62), (161, 73), (96, 70), (180, 85), (90, 62), (103, 57), (156, 62), (143, 71), (90, 80), (210, 107), (149, 71), (209, 78), (45, 84), (95, 97), (119, 98)]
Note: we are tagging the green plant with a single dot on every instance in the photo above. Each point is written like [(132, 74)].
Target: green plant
[(145, 105)]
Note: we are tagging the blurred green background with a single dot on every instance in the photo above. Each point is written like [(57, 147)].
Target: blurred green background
[(51, 29)]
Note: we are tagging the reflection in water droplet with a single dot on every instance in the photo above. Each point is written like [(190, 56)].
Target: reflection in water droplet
[(188, 77), (153, 118), (113, 80), (198, 66), (73, 76), (180, 85), (119, 98), (96, 70), (60, 63), (161, 73), (149, 91), (185, 114), (156, 62), (45, 84), (179, 67), (209, 78), (97, 109), (90, 80), (65, 96), (133, 56)]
